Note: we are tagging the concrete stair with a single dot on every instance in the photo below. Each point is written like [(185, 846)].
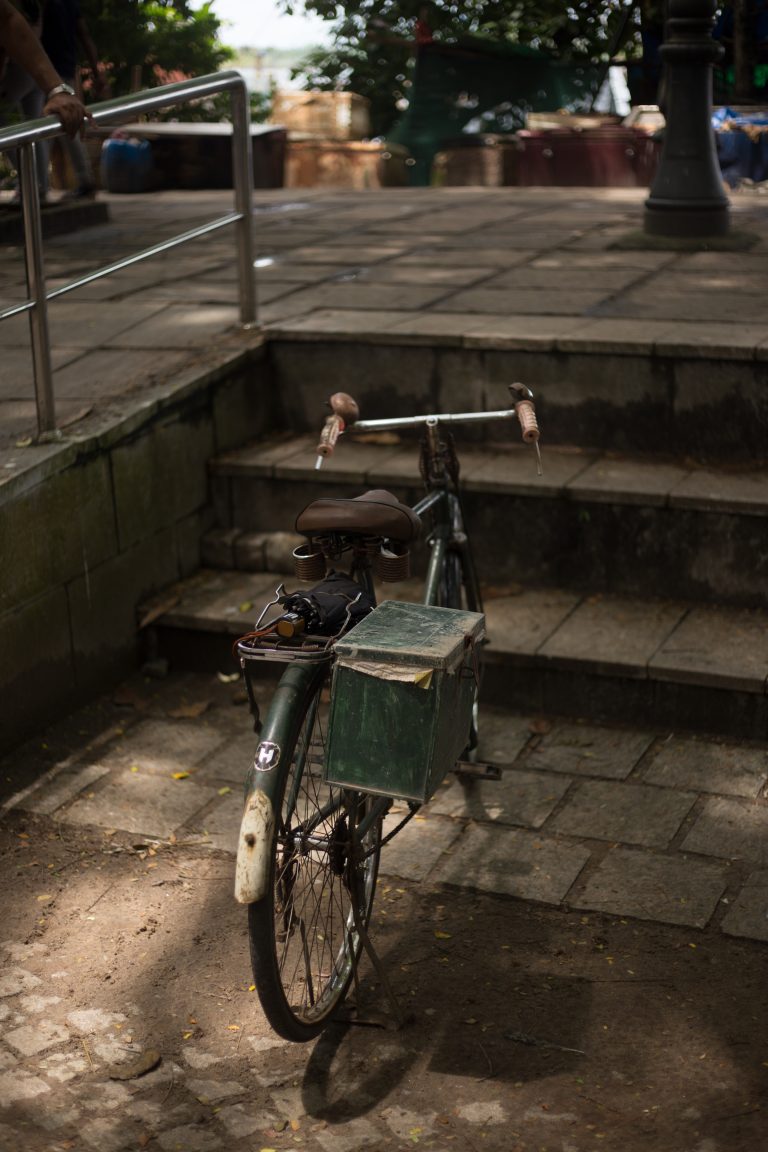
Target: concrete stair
[(618, 589), (594, 522)]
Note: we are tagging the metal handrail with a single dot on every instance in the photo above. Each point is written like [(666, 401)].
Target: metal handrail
[(26, 136)]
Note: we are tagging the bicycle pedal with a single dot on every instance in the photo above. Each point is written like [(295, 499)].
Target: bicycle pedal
[(478, 770)]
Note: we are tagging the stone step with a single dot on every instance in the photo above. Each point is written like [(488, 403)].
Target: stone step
[(594, 522), (608, 383), (656, 663)]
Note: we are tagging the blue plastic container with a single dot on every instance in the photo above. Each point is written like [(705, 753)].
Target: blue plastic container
[(127, 165)]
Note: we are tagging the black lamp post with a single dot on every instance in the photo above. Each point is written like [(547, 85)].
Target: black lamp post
[(687, 197)]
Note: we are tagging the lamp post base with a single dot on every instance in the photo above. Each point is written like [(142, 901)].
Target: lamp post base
[(644, 241), (677, 218)]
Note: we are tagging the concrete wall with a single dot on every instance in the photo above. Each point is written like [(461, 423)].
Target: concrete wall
[(93, 526)]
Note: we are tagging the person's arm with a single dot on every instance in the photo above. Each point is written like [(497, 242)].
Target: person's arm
[(23, 46)]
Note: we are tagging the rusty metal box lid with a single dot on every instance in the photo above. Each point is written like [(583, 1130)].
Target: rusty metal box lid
[(419, 634)]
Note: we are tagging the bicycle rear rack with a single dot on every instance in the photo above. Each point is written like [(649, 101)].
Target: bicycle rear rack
[(288, 650)]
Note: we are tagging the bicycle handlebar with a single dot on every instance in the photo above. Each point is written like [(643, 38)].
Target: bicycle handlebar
[(345, 412)]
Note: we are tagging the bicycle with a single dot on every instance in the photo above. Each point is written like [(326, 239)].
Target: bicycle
[(309, 847)]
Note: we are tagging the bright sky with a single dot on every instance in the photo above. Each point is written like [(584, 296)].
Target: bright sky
[(261, 24)]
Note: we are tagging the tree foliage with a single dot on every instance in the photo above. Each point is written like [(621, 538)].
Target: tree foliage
[(154, 41), (374, 40)]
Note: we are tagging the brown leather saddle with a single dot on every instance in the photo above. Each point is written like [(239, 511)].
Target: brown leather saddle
[(375, 513)]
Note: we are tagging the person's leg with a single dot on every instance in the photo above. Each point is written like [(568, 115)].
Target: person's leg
[(85, 185), (31, 101)]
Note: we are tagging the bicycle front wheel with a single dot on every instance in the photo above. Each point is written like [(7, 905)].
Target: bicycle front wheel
[(304, 935)]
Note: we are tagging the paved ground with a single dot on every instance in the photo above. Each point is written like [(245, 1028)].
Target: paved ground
[(652, 825), (582, 944), (581, 947), (522, 268)]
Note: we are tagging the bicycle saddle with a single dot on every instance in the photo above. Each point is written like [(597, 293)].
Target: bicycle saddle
[(375, 513)]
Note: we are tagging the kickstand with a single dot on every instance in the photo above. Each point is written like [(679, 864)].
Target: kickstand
[(372, 1018)]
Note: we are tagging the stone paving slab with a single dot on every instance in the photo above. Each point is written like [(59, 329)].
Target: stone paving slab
[(64, 788), (623, 812), (718, 647), (613, 635), (515, 331), (213, 600), (748, 915), (164, 746), (512, 468), (449, 256), (703, 766), (178, 326), (393, 273), (613, 334), (536, 302), (325, 323), (627, 482), (586, 750), (668, 889), (651, 304), (502, 736), (513, 863), (351, 461), (219, 827), (81, 325), (731, 492), (731, 830), (520, 798), (558, 278), (260, 457), (415, 850), (521, 624), (140, 802)]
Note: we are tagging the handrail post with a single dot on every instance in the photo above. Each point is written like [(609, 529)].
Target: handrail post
[(38, 316), (242, 171)]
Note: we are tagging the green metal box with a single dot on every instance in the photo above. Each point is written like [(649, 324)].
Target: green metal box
[(401, 699)]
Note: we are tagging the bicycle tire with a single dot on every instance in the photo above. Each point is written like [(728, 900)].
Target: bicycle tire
[(303, 940)]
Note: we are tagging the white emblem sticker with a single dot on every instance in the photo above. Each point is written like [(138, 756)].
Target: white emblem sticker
[(267, 756)]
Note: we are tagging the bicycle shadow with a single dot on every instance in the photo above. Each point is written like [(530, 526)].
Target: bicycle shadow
[(479, 1013)]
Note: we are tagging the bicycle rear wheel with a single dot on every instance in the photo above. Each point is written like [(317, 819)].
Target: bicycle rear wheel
[(304, 937)]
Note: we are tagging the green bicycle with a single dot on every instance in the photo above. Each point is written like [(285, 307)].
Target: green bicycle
[(336, 746)]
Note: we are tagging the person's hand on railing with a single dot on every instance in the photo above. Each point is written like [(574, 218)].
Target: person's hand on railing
[(61, 101), (21, 44)]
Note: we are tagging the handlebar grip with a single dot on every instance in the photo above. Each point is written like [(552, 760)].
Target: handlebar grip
[(529, 426), (344, 406), (332, 429)]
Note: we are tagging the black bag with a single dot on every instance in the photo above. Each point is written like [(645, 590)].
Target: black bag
[(336, 600)]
